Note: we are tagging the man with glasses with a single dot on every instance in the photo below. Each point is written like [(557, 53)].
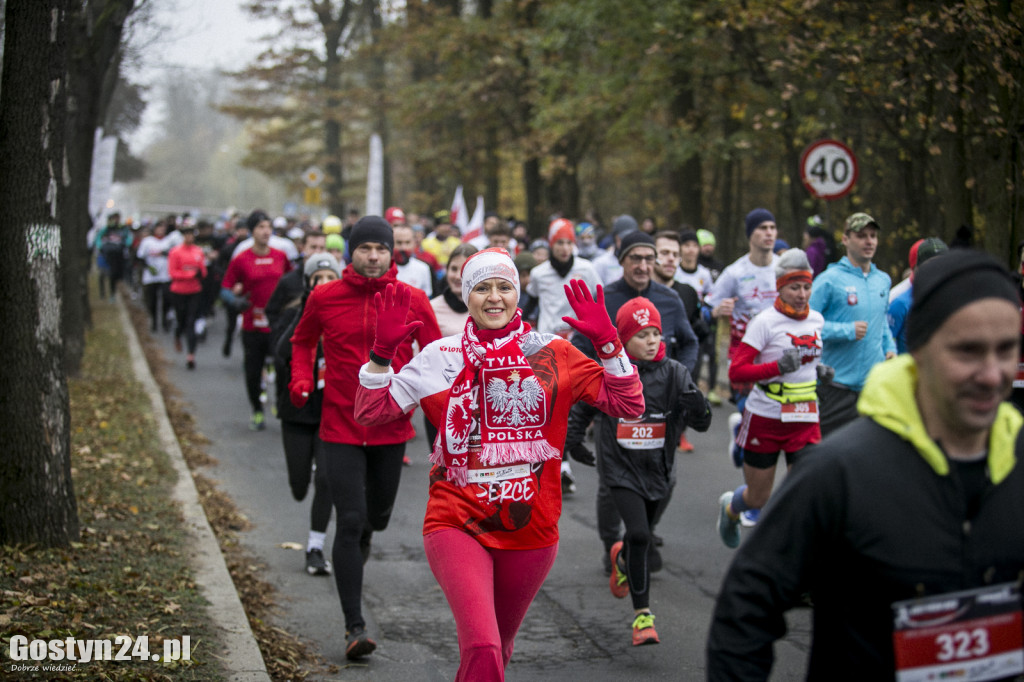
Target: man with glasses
[(637, 255)]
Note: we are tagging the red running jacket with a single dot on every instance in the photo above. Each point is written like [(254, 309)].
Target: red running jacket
[(343, 312)]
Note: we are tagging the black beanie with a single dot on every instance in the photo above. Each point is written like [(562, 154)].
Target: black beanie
[(688, 236), (950, 281), (371, 228), (755, 218), (633, 240)]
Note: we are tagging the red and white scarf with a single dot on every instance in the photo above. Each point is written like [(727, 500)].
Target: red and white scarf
[(497, 398)]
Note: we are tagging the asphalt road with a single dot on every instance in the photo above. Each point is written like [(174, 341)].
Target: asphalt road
[(574, 627)]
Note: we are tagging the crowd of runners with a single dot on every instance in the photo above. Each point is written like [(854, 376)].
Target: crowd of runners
[(600, 344)]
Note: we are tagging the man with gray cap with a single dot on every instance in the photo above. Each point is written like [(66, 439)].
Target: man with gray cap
[(906, 530), (853, 297), (363, 465)]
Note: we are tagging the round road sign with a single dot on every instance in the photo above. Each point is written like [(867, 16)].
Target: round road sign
[(313, 177), (828, 169)]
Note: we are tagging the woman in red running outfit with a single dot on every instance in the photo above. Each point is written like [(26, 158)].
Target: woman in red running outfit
[(502, 393), (186, 264), (780, 353)]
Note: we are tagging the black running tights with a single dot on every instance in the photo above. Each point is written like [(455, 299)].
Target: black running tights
[(256, 346), (303, 447), (363, 482), (638, 515), (186, 307)]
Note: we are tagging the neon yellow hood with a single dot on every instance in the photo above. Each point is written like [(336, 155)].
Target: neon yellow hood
[(888, 399)]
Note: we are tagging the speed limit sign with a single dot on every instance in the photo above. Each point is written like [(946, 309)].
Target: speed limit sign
[(828, 169)]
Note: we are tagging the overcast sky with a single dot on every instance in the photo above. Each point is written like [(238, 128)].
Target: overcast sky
[(194, 34), (207, 33)]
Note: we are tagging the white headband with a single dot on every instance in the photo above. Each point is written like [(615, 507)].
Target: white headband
[(487, 264)]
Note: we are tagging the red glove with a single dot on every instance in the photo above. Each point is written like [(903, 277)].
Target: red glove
[(592, 319), (392, 310), (299, 390)]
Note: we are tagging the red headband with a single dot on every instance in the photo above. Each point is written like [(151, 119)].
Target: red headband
[(793, 276)]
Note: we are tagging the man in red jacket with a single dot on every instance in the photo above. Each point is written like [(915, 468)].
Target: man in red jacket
[(363, 464)]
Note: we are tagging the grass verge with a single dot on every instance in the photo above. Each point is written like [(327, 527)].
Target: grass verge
[(129, 572), (285, 655), (128, 575)]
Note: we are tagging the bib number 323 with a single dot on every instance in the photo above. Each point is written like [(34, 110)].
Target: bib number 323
[(970, 635)]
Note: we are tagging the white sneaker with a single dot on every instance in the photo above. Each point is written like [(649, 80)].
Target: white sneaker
[(728, 527)]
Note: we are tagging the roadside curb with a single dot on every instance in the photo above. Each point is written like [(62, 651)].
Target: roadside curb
[(242, 659)]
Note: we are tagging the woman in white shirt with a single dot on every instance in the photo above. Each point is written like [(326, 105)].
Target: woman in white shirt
[(156, 280)]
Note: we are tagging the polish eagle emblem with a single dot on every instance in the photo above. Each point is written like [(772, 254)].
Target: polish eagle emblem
[(459, 422), (515, 403)]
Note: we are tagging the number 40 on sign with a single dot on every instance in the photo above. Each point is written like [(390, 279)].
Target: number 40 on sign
[(828, 169)]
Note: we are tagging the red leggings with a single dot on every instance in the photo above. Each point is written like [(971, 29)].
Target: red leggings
[(489, 591)]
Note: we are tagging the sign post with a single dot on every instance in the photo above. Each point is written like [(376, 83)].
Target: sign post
[(313, 177), (828, 169)]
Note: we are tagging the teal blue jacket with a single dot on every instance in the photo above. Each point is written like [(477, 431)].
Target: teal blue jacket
[(843, 294)]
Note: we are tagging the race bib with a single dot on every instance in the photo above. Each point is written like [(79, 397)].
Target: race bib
[(259, 318), (806, 411), (641, 435), (970, 635), (495, 474)]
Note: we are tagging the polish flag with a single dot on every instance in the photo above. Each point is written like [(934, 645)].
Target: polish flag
[(460, 215), (475, 228)]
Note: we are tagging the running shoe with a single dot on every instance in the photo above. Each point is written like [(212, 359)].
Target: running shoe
[(618, 582), (643, 630), (406, 461), (258, 422), (568, 483), (714, 398), (316, 564), (735, 451), (750, 517), (358, 644), (728, 527), (191, 361), (685, 445)]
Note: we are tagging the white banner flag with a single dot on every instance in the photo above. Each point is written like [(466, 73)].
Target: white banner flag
[(460, 217), (375, 178)]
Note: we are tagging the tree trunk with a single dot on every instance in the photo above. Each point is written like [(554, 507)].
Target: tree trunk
[(332, 123), (535, 223), (95, 31), (37, 501), (686, 179)]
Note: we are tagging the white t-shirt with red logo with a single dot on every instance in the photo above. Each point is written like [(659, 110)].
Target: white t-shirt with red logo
[(771, 333)]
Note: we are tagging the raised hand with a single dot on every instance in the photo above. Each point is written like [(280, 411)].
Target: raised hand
[(592, 318), (392, 311)]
